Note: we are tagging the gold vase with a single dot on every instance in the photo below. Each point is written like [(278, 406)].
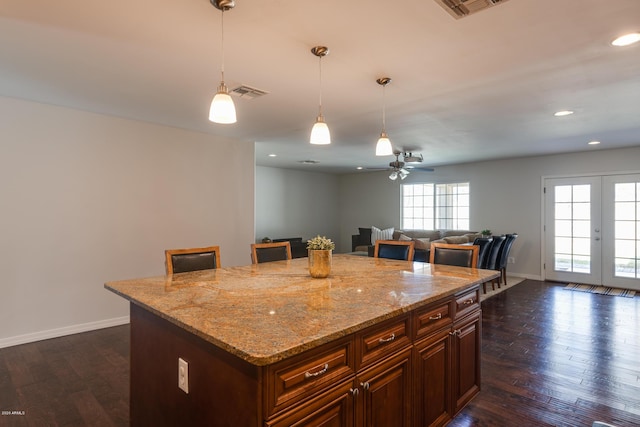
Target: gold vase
[(319, 263)]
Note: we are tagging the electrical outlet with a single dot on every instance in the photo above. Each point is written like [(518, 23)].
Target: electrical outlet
[(511, 260), (183, 375)]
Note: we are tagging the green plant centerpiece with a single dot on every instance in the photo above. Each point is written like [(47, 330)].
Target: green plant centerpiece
[(486, 232), (319, 249)]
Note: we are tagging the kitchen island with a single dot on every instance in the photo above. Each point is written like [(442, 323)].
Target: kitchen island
[(379, 341)]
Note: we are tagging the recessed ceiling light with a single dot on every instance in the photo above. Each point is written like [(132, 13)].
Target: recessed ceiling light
[(627, 39), (273, 155), (563, 113), (594, 142), (359, 168)]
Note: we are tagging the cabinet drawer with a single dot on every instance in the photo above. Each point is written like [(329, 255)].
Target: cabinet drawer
[(432, 318), (467, 302), (376, 342), (307, 374)]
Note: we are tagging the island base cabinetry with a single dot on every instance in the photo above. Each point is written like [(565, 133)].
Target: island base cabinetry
[(447, 365), (416, 369)]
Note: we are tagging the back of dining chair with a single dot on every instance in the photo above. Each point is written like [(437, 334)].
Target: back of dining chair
[(192, 259), (452, 254), (394, 249), (484, 243), (267, 252)]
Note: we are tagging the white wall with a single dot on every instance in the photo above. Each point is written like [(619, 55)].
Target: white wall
[(505, 196), (292, 203), (88, 198)]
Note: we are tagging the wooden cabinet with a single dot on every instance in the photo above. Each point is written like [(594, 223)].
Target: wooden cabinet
[(417, 368), (466, 359), (447, 358), (385, 393), (433, 375)]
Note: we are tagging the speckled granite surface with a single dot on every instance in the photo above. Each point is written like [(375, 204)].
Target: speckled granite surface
[(267, 312)]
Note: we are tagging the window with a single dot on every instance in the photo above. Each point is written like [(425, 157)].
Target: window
[(435, 206)]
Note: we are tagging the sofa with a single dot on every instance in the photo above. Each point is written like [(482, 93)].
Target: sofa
[(361, 242)]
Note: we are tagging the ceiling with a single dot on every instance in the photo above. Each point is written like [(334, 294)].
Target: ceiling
[(477, 88)]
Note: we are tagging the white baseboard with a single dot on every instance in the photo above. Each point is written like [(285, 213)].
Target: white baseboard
[(60, 332)]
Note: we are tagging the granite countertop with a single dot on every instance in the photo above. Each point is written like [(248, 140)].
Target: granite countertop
[(267, 312)]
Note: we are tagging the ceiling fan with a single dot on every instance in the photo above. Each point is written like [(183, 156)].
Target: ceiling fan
[(401, 168)]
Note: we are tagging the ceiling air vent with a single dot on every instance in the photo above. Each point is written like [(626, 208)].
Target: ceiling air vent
[(461, 8), (247, 92)]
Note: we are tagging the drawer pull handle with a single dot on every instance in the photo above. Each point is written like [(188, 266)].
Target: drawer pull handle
[(469, 301), (320, 372), (436, 317), (384, 340), (354, 391)]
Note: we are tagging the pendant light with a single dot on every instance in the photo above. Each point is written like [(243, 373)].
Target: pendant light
[(320, 134), (383, 147), (222, 109)]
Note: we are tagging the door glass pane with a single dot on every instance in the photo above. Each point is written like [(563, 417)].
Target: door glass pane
[(627, 230), (572, 207)]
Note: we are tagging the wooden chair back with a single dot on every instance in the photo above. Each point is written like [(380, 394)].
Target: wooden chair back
[(192, 259), (394, 249), (267, 252), (451, 254)]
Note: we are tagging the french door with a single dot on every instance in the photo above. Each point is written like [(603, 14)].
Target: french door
[(592, 230)]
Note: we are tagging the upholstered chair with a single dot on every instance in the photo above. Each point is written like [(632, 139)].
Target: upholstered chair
[(452, 254), (267, 252), (192, 259), (394, 249)]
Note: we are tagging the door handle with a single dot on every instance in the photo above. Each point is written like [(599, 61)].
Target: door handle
[(597, 238)]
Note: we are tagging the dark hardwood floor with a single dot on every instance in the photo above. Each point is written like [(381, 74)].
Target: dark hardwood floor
[(551, 357)]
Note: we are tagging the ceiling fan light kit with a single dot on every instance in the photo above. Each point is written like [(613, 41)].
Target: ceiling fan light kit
[(222, 109), (383, 147), (320, 134)]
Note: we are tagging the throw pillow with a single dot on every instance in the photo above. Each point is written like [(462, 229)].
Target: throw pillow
[(378, 234), (423, 243), (456, 240), (405, 238)]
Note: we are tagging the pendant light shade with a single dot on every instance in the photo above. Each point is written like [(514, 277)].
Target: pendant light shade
[(383, 147), (320, 134), (222, 109)]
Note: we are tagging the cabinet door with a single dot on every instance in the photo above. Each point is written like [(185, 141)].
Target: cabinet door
[(386, 391), (334, 408), (466, 367), (432, 375)]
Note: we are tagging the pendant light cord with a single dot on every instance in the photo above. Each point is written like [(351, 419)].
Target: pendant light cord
[(384, 108), (222, 43), (320, 85)]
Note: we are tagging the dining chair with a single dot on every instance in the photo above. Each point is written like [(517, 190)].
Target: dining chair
[(492, 262), (484, 244), (394, 249), (503, 257), (192, 259), (453, 254), (267, 252)]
